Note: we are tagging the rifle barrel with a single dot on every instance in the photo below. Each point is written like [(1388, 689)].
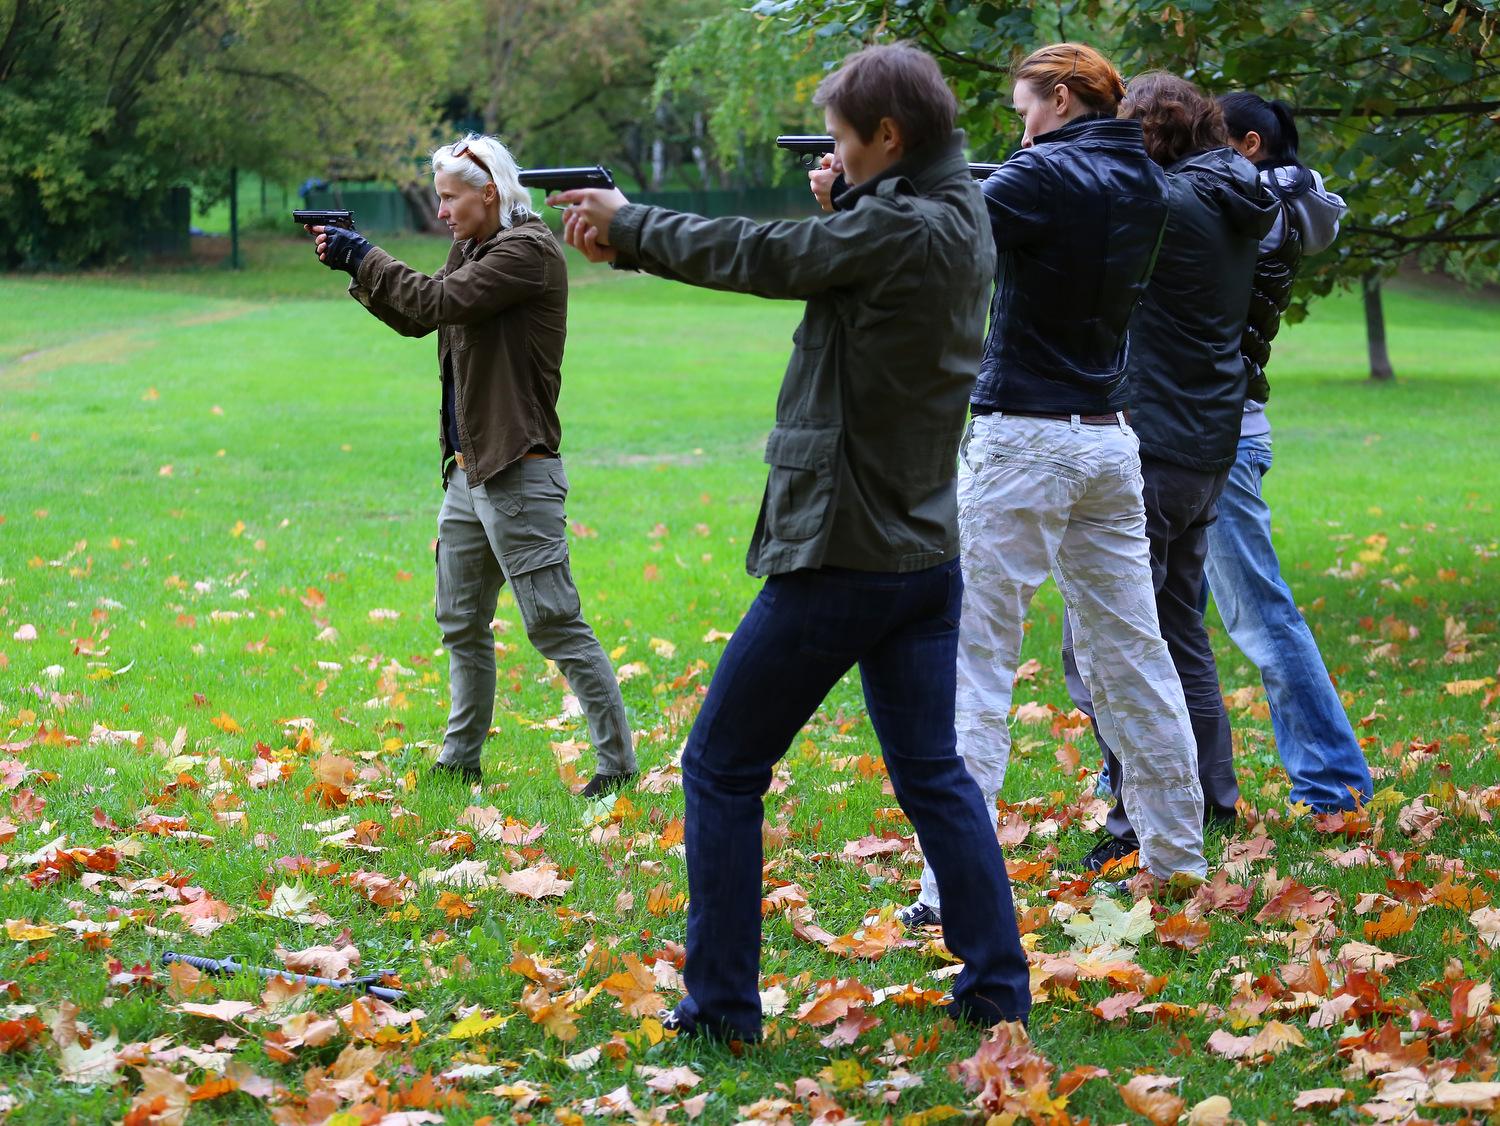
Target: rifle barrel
[(228, 967)]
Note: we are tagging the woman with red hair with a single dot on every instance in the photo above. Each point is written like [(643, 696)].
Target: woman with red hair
[(1049, 477)]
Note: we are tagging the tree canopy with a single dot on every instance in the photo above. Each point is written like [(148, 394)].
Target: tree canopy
[(1399, 100)]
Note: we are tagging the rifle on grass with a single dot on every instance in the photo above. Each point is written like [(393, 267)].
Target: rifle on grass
[(810, 149), (229, 967)]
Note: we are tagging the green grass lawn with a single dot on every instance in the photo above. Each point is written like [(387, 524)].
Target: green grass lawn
[(217, 518)]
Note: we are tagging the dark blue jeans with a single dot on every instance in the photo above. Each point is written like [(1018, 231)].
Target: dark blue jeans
[(802, 633)]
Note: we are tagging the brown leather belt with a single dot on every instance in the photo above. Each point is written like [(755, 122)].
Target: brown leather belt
[(1086, 419), (458, 459)]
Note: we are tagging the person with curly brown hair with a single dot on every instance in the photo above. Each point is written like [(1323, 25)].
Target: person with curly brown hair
[(1187, 391)]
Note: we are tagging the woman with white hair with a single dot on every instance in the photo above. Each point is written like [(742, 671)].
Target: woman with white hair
[(499, 305)]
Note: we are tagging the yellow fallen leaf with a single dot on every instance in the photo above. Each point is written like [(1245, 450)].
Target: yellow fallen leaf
[(472, 1027), (24, 930)]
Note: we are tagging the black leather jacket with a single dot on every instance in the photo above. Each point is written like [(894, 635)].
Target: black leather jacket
[(1270, 294), (1187, 378), (1077, 219)]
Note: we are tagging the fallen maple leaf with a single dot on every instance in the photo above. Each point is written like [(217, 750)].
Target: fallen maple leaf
[(834, 1001), (1109, 923), (1183, 932), (1148, 1095), (227, 1011), (1487, 922), (336, 961), (455, 906), (381, 890), (18, 1034), (1212, 1111), (535, 883), (1397, 920), (1464, 1096), (84, 1066), (476, 1025), (669, 1080), (1320, 1098), (635, 988), (163, 1099), (24, 930), (555, 1016), (204, 914), (1117, 1007)]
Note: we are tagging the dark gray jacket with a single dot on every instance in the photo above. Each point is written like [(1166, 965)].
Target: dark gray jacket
[(896, 280), (1187, 380)]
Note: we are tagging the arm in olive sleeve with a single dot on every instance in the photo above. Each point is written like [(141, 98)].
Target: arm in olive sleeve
[(788, 258), (467, 292)]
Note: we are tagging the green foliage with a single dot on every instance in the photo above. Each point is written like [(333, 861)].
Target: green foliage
[(752, 83), (1398, 100), (567, 81), (106, 104)]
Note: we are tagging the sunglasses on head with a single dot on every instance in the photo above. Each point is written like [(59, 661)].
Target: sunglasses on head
[(463, 149)]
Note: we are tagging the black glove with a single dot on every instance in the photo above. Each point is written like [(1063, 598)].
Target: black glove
[(344, 249)]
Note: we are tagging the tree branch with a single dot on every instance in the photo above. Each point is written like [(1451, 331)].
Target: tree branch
[(562, 115), (1432, 238), (1452, 109)]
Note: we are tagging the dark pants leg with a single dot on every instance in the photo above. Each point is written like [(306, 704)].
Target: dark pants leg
[(1180, 506), (801, 634)]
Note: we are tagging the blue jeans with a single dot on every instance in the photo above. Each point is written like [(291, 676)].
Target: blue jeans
[(1317, 746), (802, 633)]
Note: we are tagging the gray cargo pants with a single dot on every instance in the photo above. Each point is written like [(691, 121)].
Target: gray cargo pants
[(512, 529)]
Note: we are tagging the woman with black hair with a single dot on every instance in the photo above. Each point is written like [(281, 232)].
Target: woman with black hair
[(1313, 735)]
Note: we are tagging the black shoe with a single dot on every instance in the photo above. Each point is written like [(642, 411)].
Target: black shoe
[(601, 784), (1110, 847), (470, 775), (980, 1014), (673, 1020), (916, 915)]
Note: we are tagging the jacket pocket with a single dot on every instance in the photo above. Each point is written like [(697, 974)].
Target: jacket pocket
[(803, 464)]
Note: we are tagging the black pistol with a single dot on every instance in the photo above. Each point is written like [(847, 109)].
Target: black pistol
[(343, 219), (566, 179), (810, 148)]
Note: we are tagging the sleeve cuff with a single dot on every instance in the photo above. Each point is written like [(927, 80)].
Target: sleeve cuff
[(373, 260), (625, 233)]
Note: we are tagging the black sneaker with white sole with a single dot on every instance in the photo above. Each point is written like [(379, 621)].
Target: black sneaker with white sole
[(919, 914), (1108, 848), (601, 784)]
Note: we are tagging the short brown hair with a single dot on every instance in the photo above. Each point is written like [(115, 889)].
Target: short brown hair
[(1177, 118), (1089, 75), (898, 81)]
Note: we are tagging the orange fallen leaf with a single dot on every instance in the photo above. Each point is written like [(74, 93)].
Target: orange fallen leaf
[(1182, 932), (1396, 920), (635, 988), (1151, 1096)]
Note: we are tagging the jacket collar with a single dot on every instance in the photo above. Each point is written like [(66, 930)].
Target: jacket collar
[(1099, 125), (920, 171)]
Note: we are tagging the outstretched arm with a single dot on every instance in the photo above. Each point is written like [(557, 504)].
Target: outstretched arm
[(784, 259)]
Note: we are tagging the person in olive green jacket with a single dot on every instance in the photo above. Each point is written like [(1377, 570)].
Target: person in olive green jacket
[(857, 535), (500, 307)]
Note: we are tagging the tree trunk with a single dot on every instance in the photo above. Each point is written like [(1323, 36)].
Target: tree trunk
[(423, 207), (1380, 359)]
